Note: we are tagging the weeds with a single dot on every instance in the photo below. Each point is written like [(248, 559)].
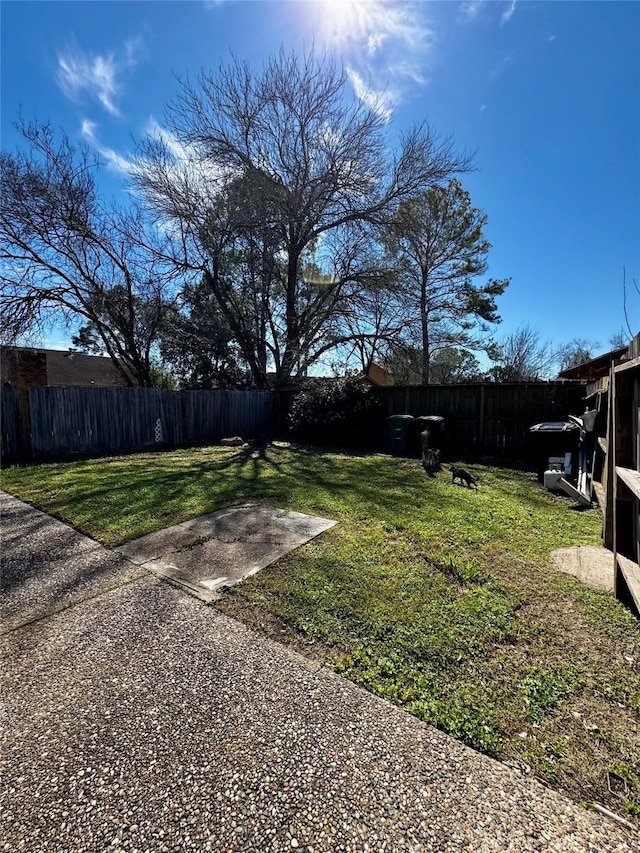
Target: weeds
[(543, 690)]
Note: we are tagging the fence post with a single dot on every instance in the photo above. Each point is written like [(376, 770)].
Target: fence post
[(481, 424)]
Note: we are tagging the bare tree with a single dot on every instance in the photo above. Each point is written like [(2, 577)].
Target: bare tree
[(619, 340), (65, 254), (314, 170), (449, 365), (630, 327), (523, 356), (438, 236), (453, 366), (404, 362), (576, 352), (374, 323)]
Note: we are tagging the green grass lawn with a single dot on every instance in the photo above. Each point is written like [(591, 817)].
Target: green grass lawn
[(439, 598)]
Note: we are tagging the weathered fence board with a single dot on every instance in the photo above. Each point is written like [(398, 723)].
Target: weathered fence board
[(208, 416), (492, 418), (61, 423)]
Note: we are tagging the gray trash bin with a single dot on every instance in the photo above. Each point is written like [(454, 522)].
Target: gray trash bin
[(434, 425)]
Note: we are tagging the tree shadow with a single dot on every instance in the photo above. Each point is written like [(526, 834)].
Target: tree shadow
[(47, 566)]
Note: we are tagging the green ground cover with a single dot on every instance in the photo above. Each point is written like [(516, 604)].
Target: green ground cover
[(437, 597)]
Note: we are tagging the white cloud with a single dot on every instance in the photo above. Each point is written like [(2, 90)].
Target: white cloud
[(374, 41), (551, 38), (87, 129), (188, 167), (508, 13), (409, 71), (155, 130), (114, 160), (96, 75), (470, 10), (388, 43), (381, 102), (483, 108), (501, 66)]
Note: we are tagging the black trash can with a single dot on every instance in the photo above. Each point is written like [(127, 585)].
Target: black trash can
[(400, 429), (553, 440)]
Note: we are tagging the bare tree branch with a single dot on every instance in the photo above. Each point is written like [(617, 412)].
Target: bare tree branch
[(64, 253), (281, 165)]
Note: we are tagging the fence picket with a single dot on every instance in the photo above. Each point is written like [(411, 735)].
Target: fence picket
[(62, 423), (65, 422)]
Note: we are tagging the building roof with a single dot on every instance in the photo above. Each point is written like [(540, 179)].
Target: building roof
[(378, 375), (596, 368), (25, 367)]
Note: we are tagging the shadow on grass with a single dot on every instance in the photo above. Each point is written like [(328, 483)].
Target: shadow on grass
[(119, 499)]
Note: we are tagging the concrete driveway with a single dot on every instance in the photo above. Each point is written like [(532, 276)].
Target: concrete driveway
[(140, 719)]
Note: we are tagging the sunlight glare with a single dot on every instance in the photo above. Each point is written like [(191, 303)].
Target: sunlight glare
[(349, 20)]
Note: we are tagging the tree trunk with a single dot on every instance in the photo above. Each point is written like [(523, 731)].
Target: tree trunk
[(292, 338), (247, 349), (424, 319)]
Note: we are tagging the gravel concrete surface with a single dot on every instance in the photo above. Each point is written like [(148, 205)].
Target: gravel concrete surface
[(46, 565), (141, 719)]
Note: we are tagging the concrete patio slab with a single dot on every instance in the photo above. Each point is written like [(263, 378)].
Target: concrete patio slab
[(591, 564), (156, 723), (222, 548)]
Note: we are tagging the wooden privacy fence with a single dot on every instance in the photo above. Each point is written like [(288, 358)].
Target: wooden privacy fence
[(60, 423), (492, 418)]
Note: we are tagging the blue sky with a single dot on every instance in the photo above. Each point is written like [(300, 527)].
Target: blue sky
[(546, 93)]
